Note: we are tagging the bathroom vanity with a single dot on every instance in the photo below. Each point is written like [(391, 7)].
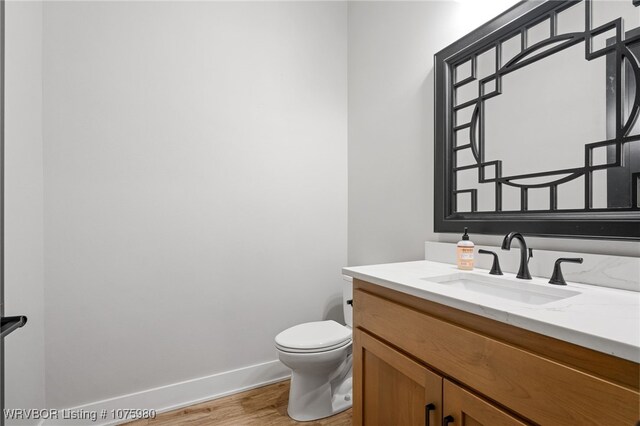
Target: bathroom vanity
[(435, 346)]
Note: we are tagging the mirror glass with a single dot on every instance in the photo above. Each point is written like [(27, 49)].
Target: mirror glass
[(546, 118)]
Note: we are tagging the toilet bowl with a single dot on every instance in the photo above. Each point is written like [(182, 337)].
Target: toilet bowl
[(319, 355)]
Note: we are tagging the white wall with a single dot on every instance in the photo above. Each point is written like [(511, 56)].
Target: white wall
[(391, 48), (24, 362), (195, 186)]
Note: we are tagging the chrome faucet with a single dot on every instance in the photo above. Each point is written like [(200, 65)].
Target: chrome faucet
[(525, 253)]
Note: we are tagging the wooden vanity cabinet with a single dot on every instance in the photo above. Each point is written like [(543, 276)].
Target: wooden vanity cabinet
[(396, 390), (417, 362)]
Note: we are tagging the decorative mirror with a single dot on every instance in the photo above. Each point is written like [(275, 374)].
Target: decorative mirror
[(537, 125)]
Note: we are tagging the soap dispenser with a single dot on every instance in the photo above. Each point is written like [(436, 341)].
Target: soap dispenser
[(465, 253)]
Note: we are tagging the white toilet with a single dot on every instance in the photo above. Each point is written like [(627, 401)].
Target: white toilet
[(319, 355)]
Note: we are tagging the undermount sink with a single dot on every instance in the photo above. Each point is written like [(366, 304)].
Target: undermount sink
[(504, 288)]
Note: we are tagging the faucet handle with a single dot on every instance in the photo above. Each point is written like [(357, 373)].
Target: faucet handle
[(557, 278), (495, 268)]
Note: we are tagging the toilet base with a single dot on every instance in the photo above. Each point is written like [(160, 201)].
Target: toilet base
[(315, 396)]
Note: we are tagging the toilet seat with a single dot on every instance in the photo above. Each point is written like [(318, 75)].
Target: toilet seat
[(317, 336), (312, 351)]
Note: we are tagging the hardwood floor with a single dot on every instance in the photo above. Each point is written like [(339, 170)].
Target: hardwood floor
[(262, 406)]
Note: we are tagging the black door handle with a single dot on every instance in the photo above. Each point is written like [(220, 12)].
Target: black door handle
[(350, 302), (427, 410), (447, 420), (9, 324)]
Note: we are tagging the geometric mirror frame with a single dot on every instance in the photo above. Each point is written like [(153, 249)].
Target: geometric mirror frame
[(462, 96)]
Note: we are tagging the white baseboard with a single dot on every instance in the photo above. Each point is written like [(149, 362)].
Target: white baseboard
[(177, 395)]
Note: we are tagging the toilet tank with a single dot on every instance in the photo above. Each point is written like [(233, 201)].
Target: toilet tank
[(347, 294)]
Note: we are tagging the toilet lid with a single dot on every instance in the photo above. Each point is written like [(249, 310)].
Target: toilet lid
[(314, 335)]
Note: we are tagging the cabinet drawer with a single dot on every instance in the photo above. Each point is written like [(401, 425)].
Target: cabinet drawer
[(537, 388)]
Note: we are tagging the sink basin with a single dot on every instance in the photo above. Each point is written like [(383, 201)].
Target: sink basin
[(503, 288)]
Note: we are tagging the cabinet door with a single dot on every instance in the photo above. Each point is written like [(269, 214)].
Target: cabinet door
[(392, 389), (462, 408)]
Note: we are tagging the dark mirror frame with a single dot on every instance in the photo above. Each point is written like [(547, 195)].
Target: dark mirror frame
[(601, 224)]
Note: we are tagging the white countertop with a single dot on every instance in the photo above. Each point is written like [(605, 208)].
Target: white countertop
[(604, 319)]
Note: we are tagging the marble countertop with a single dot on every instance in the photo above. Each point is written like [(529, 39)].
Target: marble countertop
[(604, 319)]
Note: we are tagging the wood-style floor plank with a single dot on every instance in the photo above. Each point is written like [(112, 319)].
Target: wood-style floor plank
[(265, 406)]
